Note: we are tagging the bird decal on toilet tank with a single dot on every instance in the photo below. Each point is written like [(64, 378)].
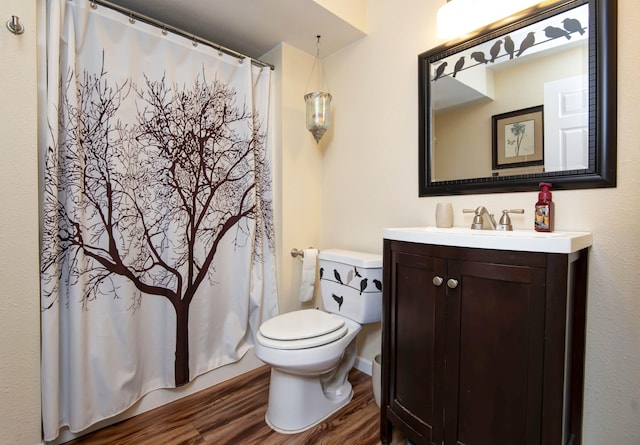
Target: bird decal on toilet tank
[(338, 299), (353, 279)]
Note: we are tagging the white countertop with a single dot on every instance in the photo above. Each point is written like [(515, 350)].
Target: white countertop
[(519, 240)]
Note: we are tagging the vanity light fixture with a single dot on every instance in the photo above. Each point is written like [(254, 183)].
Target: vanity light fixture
[(318, 102), (459, 17)]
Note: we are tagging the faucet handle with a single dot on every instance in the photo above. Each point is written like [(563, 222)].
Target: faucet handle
[(505, 221), (478, 222)]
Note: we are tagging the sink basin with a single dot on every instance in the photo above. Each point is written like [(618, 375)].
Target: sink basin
[(521, 240)]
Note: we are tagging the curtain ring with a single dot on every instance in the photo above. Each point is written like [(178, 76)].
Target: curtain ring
[(93, 5), (131, 19)]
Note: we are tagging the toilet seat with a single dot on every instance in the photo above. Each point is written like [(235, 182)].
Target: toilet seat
[(301, 329)]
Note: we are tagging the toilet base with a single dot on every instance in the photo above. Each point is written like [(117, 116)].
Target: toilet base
[(298, 402)]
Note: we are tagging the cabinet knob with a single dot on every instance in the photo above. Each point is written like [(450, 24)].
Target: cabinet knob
[(437, 281), (452, 283)]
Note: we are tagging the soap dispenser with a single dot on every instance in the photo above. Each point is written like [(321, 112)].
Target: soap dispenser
[(544, 209)]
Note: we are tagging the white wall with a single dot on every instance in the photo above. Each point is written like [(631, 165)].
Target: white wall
[(19, 300), (370, 181), (352, 11)]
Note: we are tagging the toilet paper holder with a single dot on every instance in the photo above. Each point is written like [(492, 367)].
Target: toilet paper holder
[(298, 252)]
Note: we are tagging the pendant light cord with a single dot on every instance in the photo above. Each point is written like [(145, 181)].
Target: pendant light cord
[(316, 61)]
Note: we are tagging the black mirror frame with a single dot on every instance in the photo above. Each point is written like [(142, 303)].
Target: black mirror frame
[(602, 65)]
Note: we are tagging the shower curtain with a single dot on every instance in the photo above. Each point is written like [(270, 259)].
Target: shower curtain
[(157, 258)]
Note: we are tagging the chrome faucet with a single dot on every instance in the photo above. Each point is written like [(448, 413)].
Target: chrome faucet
[(483, 220)]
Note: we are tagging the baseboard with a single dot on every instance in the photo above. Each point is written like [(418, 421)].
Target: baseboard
[(363, 365)]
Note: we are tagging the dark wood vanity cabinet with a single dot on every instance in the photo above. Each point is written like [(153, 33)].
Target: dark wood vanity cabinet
[(482, 347)]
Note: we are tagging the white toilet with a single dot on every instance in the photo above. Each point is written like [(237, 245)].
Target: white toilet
[(311, 351)]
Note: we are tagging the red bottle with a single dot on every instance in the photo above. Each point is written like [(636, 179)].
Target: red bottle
[(544, 209)]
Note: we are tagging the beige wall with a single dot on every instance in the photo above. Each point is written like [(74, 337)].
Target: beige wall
[(19, 301), (298, 172), (370, 181)]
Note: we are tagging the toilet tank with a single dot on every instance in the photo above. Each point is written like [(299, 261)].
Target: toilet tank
[(351, 284)]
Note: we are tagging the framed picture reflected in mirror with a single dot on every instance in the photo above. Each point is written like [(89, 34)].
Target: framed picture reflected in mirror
[(518, 138)]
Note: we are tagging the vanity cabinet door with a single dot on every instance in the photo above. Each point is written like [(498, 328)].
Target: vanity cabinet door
[(416, 319), (490, 352), (494, 354)]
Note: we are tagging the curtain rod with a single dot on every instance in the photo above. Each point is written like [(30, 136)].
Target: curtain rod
[(178, 31)]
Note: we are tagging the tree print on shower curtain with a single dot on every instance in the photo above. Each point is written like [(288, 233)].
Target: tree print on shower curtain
[(151, 200)]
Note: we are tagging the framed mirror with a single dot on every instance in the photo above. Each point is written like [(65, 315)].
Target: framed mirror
[(515, 104)]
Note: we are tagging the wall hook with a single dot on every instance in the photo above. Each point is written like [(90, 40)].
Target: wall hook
[(14, 25)]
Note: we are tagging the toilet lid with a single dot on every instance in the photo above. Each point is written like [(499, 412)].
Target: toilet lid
[(306, 328)]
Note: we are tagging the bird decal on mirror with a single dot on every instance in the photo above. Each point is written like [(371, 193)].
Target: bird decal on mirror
[(509, 46), (440, 71), (495, 50), (527, 43), (573, 25), (459, 65), (553, 33), (506, 47), (479, 57)]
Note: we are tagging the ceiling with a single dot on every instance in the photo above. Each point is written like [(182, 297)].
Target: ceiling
[(253, 27)]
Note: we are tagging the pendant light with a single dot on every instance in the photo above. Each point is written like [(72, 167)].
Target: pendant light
[(318, 103)]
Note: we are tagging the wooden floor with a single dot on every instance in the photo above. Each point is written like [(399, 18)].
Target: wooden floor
[(233, 413)]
